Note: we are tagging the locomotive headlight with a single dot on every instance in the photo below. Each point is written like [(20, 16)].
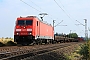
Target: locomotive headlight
[(17, 33), (30, 33), (18, 29), (29, 29)]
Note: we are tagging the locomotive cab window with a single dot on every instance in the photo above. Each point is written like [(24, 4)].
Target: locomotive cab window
[(21, 22), (25, 22), (29, 22), (37, 23)]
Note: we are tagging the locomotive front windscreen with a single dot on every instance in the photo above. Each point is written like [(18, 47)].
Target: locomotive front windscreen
[(25, 22)]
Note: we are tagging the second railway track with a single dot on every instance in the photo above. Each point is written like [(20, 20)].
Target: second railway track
[(18, 53)]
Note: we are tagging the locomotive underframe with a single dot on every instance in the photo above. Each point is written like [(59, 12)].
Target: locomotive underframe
[(23, 39), (26, 40)]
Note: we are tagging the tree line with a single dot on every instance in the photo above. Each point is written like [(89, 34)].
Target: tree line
[(70, 35)]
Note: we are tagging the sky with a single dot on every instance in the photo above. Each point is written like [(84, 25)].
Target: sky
[(67, 10)]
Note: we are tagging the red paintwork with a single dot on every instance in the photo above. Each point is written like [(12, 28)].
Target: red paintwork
[(46, 30), (80, 39), (42, 29)]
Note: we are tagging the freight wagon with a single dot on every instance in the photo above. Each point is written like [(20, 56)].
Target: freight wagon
[(31, 29), (63, 39), (66, 39)]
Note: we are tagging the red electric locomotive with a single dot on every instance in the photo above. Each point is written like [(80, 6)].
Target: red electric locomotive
[(32, 30)]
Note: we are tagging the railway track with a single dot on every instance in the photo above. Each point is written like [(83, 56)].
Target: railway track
[(17, 53)]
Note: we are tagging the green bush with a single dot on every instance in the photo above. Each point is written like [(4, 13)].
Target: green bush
[(1, 44), (85, 49), (10, 43)]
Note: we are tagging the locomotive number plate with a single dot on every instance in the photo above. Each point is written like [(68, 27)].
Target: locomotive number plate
[(24, 29)]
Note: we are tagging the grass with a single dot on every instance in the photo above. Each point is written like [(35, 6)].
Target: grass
[(7, 42), (74, 55)]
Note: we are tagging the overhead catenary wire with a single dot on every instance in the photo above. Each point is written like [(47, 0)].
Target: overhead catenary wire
[(43, 9), (69, 14), (35, 8), (50, 15), (40, 8), (36, 4), (62, 9), (30, 6), (66, 13)]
